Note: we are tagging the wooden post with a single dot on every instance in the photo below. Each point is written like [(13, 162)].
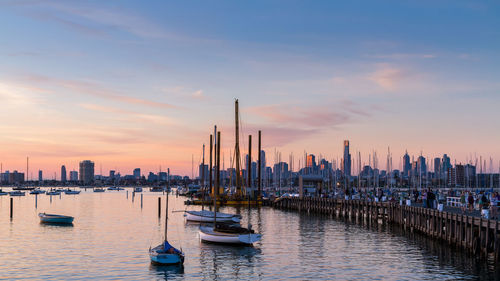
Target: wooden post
[(249, 164), (159, 207), (11, 206)]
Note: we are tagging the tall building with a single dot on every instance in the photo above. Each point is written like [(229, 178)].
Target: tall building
[(311, 161), (86, 171), (73, 176), (63, 173), (203, 173), (346, 161), (446, 163), (406, 164), (40, 176), (112, 174), (437, 167), (137, 173), (421, 166)]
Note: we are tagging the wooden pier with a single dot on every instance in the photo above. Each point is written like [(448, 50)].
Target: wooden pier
[(478, 235)]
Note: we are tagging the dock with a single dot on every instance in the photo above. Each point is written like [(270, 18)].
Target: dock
[(475, 234)]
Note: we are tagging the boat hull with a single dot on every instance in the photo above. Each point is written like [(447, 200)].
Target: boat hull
[(207, 216), (165, 258), (207, 234), (56, 219)]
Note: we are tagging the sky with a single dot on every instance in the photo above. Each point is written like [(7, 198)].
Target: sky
[(141, 84)]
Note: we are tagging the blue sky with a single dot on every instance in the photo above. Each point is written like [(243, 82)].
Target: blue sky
[(132, 83)]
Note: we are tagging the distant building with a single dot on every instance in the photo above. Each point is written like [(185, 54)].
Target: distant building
[(437, 167), (421, 166), (40, 175), (86, 172), (311, 161), (406, 164), (203, 173), (137, 173), (73, 176), (112, 174), (13, 178), (346, 161), (63, 173)]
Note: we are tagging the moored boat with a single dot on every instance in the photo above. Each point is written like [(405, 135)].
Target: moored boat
[(208, 216), (16, 193), (3, 192), (138, 189), (37, 191), (71, 192), (166, 254), (99, 190), (53, 192), (229, 235), (52, 218)]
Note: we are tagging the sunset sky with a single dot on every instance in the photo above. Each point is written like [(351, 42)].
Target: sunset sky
[(129, 85)]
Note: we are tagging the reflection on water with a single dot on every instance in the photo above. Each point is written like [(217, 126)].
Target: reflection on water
[(111, 235)]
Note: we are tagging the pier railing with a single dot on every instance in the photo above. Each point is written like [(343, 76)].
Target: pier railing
[(475, 234)]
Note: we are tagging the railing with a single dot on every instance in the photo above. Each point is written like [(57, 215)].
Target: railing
[(453, 202)]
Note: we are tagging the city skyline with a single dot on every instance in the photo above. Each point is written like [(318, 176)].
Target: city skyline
[(133, 86)]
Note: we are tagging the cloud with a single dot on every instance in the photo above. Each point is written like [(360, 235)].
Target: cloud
[(198, 94), (399, 56), (388, 77), (131, 115), (93, 89), (314, 117)]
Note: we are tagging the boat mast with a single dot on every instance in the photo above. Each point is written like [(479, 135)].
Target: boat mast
[(210, 171), (166, 217), (237, 149), (203, 179)]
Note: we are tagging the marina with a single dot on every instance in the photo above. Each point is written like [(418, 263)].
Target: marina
[(293, 245)]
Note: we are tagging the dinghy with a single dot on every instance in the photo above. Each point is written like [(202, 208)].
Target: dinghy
[(165, 254), (51, 218), (71, 192), (37, 191)]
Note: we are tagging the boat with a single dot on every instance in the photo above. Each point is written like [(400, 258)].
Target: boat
[(99, 190), (138, 189), (3, 192), (71, 192), (23, 188), (156, 189), (51, 218), (166, 254), (37, 191), (208, 216), (53, 192), (16, 193), (113, 188), (222, 233)]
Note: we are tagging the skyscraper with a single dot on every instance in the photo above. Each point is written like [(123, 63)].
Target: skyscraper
[(86, 171), (346, 161), (40, 177), (311, 161), (437, 167), (421, 166), (63, 173), (406, 164)]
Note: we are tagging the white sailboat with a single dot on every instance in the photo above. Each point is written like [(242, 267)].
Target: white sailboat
[(223, 233), (166, 254)]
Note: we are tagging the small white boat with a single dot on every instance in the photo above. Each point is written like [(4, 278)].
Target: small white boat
[(51, 218), (37, 191), (208, 216), (164, 253), (16, 193), (99, 190), (227, 236), (138, 189), (71, 192)]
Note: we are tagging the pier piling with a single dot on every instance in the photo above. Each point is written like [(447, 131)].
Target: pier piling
[(159, 207), (11, 206)]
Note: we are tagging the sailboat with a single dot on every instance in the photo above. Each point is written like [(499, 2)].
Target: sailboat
[(223, 233), (207, 215), (166, 254)]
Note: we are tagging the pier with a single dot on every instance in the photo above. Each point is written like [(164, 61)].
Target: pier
[(474, 234)]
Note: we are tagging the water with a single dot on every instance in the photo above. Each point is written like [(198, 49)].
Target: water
[(111, 236)]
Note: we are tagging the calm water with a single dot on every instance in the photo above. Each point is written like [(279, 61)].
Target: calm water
[(111, 236)]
